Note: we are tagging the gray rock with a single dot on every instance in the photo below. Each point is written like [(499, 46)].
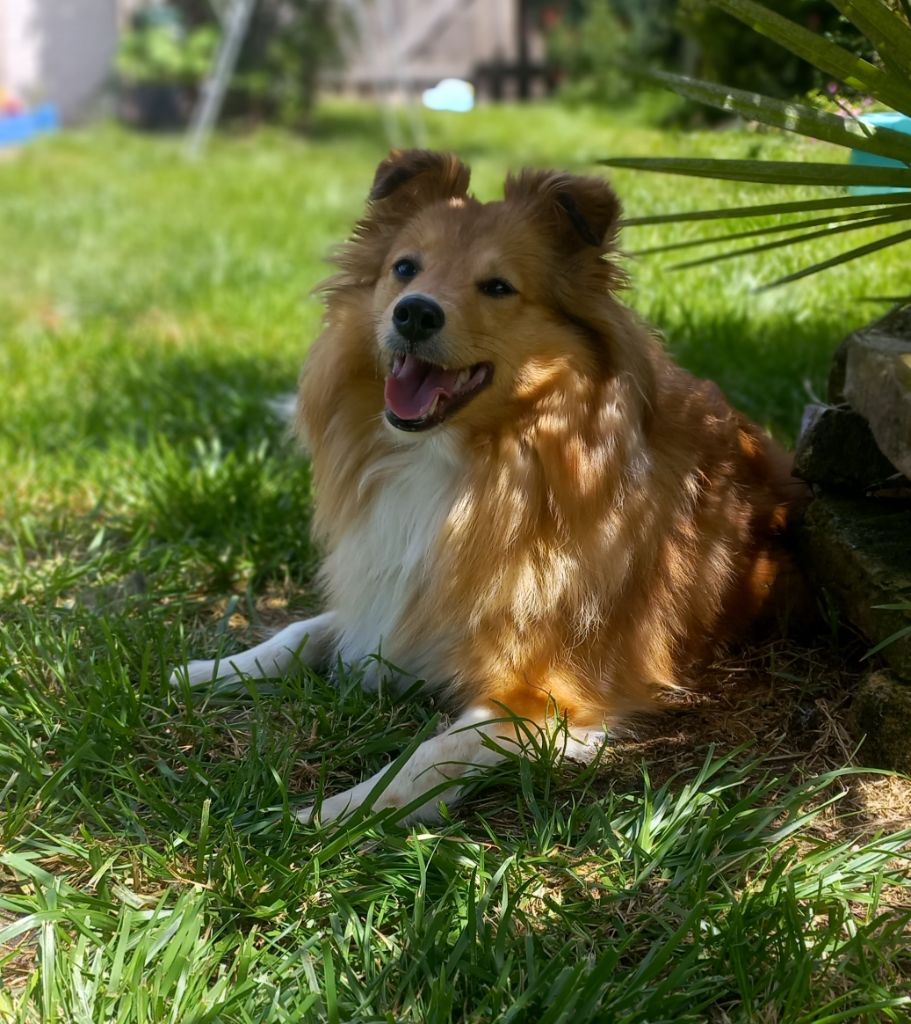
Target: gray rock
[(859, 549), (896, 323), (877, 384), (881, 711), (837, 449)]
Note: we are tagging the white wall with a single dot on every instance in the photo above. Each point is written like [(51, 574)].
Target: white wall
[(58, 50)]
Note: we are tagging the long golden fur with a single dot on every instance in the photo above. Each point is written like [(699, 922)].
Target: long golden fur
[(590, 525)]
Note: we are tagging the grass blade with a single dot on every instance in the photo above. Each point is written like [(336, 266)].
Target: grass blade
[(899, 634), (855, 1013)]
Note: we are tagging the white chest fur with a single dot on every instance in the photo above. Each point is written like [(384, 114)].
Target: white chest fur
[(386, 557)]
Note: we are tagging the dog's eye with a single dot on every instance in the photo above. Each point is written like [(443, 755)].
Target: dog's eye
[(497, 288), (405, 269)]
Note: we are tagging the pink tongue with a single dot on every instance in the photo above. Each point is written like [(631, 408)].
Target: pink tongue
[(412, 387)]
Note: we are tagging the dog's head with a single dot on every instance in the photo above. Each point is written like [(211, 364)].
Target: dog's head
[(479, 308)]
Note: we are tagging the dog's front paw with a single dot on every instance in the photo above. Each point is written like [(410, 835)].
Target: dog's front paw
[(201, 673), (344, 804), (333, 808), (305, 815)]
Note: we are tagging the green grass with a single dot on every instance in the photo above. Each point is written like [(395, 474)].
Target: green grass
[(152, 509)]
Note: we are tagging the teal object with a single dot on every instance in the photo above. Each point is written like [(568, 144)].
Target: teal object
[(860, 158)]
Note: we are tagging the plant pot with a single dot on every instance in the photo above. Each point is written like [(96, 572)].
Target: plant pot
[(155, 106)]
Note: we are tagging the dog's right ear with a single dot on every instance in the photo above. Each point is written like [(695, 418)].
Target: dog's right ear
[(415, 177)]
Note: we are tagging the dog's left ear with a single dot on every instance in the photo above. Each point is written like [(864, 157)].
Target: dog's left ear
[(419, 175), (585, 210), (404, 183)]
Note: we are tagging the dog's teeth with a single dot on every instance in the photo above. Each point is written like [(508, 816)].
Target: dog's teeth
[(397, 363), (462, 378)]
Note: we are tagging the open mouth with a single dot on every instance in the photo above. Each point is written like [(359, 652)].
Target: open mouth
[(419, 395)]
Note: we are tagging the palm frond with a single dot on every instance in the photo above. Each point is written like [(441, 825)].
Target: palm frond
[(767, 209), (824, 232), (793, 117), (770, 172), (859, 219), (834, 60), (885, 31), (845, 257), (890, 34)]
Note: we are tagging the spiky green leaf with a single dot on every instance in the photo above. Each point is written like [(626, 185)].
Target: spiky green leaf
[(822, 53), (771, 172), (845, 257), (862, 218), (885, 31), (793, 117), (824, 232), (767, 209)]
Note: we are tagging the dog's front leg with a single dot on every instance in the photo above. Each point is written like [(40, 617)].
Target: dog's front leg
[(308, 642), (473, 742)]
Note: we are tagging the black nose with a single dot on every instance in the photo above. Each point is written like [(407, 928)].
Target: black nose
[(417, 318)]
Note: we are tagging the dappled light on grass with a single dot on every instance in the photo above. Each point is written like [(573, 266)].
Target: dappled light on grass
[(150, 865), (727, 886)]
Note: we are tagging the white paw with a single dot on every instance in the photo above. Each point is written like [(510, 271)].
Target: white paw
[(333, 808), (202, 673), (584, 746)]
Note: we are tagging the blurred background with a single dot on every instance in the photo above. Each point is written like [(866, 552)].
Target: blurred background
[(147, 61)]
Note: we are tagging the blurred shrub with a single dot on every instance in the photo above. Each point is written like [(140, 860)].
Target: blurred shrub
[(730, 52), (159, 48), (159, 63), (594, 44), (289, 43), (591, 41), (170, 47)]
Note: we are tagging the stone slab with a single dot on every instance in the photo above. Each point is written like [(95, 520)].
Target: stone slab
[(877, 384), (837, 449), (897, 323), (859, 549), (881, 713)]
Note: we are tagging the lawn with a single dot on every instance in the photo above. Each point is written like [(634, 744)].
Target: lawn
[(732, 863)]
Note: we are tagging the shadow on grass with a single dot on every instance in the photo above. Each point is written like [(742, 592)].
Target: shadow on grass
[(193, 480), (177, 397), (340, 123), (769, 366)]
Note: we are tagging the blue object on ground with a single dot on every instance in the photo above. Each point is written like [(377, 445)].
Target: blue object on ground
[(453, 94), (18, 128), (886, 119)]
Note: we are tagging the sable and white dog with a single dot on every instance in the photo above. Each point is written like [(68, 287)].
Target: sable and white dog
[(522, 500)]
